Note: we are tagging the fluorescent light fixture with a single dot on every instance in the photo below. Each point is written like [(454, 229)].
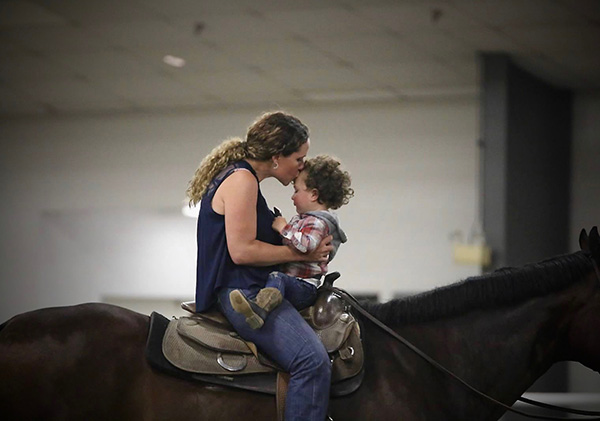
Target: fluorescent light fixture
[(441, 91), (174, 61), (362, 95)]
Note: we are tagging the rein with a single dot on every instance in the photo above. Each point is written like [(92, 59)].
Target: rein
[(352, 301)]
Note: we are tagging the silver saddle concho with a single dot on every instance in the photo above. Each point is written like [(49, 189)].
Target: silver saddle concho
[(207, 344)]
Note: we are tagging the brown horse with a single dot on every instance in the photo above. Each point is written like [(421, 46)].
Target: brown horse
[(499, 332)]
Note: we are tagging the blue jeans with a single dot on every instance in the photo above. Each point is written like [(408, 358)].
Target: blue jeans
[(289, 341), (299, 293)]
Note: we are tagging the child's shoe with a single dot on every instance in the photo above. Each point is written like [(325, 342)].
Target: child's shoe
[(241, 305), (268, 298), (256, 310)]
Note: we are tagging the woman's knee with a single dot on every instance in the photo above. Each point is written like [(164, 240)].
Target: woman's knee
[(314, 358)]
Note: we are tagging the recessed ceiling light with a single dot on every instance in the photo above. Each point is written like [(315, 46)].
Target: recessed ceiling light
[(174, 61)]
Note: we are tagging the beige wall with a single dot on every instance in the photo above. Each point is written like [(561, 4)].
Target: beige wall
[(91, 205)]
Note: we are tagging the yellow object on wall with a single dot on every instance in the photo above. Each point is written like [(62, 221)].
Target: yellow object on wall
[(472, 254)]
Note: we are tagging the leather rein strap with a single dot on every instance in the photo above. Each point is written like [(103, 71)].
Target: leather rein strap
[(352, 301)]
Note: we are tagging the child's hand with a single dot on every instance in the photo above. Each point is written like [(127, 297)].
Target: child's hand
[(279, 223)]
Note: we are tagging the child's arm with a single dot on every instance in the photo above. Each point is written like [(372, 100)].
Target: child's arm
[(306, 234), (279, 224)]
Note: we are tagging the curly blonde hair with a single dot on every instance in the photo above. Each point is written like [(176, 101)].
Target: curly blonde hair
[(323, 173), (273, 133)]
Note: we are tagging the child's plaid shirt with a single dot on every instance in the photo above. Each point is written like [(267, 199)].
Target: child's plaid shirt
[(304, 233)]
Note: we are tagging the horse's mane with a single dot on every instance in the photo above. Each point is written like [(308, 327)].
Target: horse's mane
[(497, 289)]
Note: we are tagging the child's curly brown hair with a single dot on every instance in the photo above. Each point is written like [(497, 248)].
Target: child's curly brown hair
[(323, 173)]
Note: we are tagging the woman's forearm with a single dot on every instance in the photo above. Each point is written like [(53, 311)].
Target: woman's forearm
[(259, 253)]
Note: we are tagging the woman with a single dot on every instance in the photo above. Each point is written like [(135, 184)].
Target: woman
[(237, 249)]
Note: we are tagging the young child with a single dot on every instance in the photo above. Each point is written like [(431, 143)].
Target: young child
[(321, 185)]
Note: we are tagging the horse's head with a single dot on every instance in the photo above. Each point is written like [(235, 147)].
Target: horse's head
[(584, 339), (590, 244)]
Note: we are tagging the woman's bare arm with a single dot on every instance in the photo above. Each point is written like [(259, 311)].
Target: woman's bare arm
[(236, 198)]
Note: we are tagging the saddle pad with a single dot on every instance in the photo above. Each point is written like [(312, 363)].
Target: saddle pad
[(260, 382), (191, 355), (211, 335)]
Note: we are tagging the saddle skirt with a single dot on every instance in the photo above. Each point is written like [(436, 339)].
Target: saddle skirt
[(207, 345)]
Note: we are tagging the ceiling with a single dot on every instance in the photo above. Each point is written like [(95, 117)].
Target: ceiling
[(72, 57)]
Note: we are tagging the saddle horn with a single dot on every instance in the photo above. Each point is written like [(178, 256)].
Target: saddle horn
[(330, 278)]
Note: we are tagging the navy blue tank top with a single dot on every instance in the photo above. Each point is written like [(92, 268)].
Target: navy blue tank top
[(215, 269)]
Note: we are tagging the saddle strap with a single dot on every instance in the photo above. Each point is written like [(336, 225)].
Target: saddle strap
[(283, 379)]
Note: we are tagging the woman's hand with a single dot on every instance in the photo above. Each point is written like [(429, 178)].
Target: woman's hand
[(279, 223), (321, 253)]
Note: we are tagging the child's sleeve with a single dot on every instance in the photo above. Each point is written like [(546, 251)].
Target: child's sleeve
[(305, 234)]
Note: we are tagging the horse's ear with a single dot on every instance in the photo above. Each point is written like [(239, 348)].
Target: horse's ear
[(584, 241), (594, 242)]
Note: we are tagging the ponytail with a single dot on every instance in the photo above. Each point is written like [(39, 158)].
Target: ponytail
[(231, 150)]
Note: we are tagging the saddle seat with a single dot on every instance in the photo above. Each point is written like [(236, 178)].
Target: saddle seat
[(207, 345)]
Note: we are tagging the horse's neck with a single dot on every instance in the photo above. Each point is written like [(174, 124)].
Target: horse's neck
[(512, 346), (500, 352)]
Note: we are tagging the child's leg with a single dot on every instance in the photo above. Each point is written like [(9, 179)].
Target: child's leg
[(272, 294), (244, 302), (256, 309), (299, 293)]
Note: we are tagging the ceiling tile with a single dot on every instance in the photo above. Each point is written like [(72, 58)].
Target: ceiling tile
[(553, 72), (198, 59), (439, 44), (480, 38), (228, 84), (293, 5), (108, 54), (516, 12), (138, 88), (14, 101), (317, 23), (403, 17), (441, 91), (373, 49), (276, 53), (177, 9), (467, 69), (106, 64), (320, 78), (142, 34), (583, 69), (68, 92), (403, 75), (26, 66), (558, 38), (8, 45), (588, 9), (20, 12), (94, 11), (230, 27), (55, 38)]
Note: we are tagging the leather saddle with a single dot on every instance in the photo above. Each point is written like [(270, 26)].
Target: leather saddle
[(207, 347)]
